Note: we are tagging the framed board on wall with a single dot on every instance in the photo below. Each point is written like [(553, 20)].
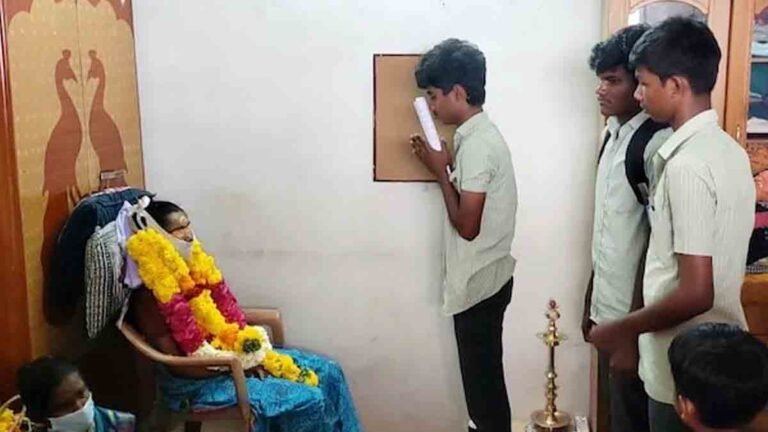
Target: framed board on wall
[(394, 120)]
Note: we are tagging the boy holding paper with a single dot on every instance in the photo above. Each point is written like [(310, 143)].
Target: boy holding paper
[(480, 195)]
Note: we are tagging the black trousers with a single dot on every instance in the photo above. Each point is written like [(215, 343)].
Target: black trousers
[(664, 418), (627, 399), (478, 336)]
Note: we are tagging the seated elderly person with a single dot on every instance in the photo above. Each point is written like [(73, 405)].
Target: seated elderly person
[(185, 308)]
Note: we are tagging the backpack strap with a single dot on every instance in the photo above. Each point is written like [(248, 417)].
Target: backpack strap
[(605, 143), (634, 162)]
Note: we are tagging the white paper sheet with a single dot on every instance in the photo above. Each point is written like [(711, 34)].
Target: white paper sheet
[(427, 125)]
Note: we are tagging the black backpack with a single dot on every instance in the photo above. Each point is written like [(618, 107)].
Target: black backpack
[(634, 162)]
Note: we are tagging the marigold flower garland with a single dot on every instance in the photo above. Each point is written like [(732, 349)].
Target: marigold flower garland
[(201, 311), (12, 421), (8, 420)]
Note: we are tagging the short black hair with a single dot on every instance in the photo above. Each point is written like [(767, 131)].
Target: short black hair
[(37, 382), (161, 212), (723, 370), (680, 46), (453, 62), (614, 51)]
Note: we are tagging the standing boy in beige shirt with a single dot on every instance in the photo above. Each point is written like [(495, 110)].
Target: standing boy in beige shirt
[(480, 196), (701, 212)]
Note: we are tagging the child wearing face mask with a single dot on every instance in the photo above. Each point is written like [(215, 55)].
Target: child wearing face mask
[(57, 399)]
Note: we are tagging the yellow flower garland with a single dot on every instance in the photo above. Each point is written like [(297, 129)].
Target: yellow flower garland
[(212, 321), (161, 268), (165, 273), (283, 366), (202, 267), (11, 421), (8, 420)]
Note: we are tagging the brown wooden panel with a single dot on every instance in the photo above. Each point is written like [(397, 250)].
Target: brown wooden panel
[(73, 77), (71, 69), (754, 298), (702, 5), (757, 317), (46, 84), (395, 119), (719, 20), (111, 106), (740, 55), (13, 307), (618, 15)]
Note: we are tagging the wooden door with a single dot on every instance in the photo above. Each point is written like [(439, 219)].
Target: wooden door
[(67, 75), (13, 288), (747, 102), (716, 13)]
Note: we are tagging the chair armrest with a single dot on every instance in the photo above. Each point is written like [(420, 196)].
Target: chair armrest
[(270, 318), (231, 362), (140, 343)]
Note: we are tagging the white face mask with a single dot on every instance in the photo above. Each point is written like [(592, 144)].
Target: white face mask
[(81, 420), (140, 219)]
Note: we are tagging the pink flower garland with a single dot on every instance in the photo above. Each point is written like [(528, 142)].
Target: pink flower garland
[(180, 320), (227, 304), (178, 315)]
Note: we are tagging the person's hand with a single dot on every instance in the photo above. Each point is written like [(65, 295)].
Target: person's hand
[(625, 358), (610, 336), (435, 161), (617, 340)]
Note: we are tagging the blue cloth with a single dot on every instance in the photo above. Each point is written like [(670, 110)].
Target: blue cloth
[(108, 420), (279, 405)]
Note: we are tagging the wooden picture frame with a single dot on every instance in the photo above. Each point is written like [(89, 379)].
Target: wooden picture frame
[(394, 120)]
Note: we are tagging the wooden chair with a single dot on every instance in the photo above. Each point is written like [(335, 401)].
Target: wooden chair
[(269, 318)]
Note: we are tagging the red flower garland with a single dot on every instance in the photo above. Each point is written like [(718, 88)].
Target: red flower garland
[(227, 303), (178, 315)]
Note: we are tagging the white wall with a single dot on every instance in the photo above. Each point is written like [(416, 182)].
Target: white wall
[(257, 117)]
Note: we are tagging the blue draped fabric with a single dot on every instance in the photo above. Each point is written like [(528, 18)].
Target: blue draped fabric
[(278, 404), (107, 420)]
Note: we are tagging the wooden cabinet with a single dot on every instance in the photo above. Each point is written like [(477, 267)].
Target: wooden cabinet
[(747, 90), (754, 297), (69, 110)]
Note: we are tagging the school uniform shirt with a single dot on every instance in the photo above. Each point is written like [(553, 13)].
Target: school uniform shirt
[(703, 204), (620, 228), (475, 270)]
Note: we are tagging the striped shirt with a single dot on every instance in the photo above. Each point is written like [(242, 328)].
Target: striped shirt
[(620, 230), (703, 205), (475, 270)]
